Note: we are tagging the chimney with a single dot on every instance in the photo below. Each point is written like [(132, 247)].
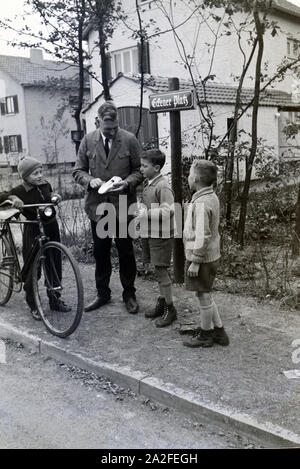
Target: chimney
[(36, 56)]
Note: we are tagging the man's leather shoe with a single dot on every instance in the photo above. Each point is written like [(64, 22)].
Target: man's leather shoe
[(97, 303), (131, 305)]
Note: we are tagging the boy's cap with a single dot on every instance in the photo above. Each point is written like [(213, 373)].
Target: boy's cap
[(27, 165)]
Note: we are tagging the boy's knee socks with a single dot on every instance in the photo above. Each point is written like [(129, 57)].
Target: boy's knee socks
[(216, 319), (206, 317), (165, 284), (162, 275), (166, 291), (209, 316)]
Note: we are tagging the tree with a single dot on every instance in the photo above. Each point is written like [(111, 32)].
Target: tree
[(251, 31), (55, 132), (61, 35), (260, 30), (104, 16)]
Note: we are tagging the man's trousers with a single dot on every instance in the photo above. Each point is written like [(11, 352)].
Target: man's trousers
[(127, 264)]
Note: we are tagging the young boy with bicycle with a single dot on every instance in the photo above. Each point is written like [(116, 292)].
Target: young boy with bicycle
[(35, 190)]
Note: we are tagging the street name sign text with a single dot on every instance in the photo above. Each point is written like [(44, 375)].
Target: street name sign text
[(171, 101)]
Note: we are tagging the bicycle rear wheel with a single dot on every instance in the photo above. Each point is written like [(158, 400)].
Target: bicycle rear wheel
[(58, 289), (6, 271)]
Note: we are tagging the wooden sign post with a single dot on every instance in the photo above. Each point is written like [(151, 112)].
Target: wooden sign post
[(174, 102)]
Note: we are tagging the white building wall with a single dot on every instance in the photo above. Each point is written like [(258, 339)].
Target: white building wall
[(165, 59), (40, 104), (125, 92), (13, 124)]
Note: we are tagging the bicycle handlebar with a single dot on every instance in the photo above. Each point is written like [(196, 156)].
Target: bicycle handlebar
[(50, 204)]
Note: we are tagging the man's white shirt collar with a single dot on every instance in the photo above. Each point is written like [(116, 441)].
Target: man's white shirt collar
[(103, 139)]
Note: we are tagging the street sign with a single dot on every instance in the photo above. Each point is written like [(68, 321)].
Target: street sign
[(171, 101)]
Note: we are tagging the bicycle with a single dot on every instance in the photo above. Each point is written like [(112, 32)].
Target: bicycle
[(53, 269)]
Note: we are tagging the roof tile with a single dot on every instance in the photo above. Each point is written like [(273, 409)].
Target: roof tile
[(215, 93), (220, 94), (27, 73)]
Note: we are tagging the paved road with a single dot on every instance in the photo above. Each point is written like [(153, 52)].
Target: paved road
[(44, 404)]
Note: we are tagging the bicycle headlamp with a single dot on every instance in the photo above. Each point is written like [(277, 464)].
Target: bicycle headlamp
[(48, 212)]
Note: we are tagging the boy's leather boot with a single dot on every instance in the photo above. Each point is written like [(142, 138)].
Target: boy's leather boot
[(169, 316), (203, 339), (220, 337), (159, 309)]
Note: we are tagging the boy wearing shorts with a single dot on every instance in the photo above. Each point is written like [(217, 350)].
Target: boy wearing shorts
[(158, 209), (202, 250)]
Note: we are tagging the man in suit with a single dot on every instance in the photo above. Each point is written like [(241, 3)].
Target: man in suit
[(106, 152)]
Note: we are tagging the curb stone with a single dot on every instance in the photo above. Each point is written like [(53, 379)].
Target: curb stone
[(28, 340), (119, 375), (166, 393)]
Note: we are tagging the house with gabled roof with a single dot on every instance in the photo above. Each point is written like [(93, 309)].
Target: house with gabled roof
[(161, 59), (275, 105), (35, 112)]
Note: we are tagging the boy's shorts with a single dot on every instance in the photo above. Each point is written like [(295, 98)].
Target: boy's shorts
[(158, 251), (205, 278)]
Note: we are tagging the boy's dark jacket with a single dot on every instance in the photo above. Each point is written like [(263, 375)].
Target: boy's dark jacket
[(30, 195)]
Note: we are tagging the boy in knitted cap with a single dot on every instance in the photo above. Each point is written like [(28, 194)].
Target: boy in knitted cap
[(34, 190)]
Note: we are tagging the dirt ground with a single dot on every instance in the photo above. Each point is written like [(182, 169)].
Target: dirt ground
[(247, 376)]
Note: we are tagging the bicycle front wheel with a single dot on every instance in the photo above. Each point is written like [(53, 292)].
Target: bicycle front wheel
[(6, 271), (58, 289)]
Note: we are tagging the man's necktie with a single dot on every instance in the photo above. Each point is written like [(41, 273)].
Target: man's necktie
[(106, 147)]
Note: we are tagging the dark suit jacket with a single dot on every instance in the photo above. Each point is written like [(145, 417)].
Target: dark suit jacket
[(123, 161)]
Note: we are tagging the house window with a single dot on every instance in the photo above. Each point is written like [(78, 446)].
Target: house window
[(132, 60), (294, 117), (125, 61), (293, 48), (12, 144), (9, 105)]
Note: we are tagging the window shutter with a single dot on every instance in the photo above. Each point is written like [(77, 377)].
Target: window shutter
[(6, 144), (1, 147), (144, 58), (3, 108), (108, 67), (19, 140), (16, 104)]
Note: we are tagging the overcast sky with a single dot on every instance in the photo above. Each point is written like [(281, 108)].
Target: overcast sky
[(14, 7)]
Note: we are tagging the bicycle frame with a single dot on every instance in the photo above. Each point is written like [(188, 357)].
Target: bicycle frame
[(47, 264), (40, 239)]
